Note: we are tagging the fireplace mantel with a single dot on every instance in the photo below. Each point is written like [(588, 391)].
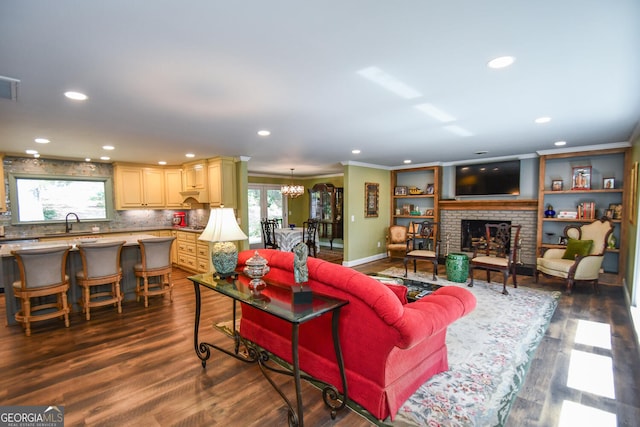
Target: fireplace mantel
[(489, 205)]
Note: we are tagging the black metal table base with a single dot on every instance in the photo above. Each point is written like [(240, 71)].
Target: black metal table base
[(332, 398)]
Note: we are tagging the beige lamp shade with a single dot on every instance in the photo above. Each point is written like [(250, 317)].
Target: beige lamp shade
[(222, 229)]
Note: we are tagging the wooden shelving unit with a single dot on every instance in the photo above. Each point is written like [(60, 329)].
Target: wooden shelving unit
[(608, 163), (426, 180)]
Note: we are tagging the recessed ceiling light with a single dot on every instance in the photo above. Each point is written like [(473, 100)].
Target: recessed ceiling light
[(543, 120), (407, 161), (37, 155), (264, 132), (31, 151), (108, 147), (105, 158), (560, 143), (87, 159), (76, 96), (42, 140), (356, 151), (162, 162), (189, 155), (501, 62)]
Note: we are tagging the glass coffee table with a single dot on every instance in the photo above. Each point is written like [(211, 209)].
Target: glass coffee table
[(415, 289)]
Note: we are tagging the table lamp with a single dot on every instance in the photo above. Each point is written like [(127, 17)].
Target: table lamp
[(222, 229)]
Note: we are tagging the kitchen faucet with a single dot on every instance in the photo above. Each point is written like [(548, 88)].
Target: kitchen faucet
[(68, 227)]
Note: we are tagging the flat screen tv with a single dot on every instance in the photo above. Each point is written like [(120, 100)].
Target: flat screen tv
[(484, 179)]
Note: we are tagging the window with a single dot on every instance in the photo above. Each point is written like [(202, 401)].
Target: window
[(47, 198)]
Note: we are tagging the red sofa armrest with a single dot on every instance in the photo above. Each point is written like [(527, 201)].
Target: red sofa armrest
[(427, 316)]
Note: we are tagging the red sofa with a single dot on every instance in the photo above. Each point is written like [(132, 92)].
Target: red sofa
[(390, 347)]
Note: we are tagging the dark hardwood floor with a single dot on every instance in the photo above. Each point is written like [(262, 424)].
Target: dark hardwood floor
[(139, 367)]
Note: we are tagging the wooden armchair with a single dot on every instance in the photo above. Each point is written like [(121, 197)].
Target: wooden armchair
[(497, 253), (423, 244), (582, 259)]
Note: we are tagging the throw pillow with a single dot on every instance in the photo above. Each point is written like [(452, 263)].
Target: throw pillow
[(577, 247)]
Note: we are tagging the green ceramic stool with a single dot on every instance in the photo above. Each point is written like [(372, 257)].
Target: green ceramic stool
[(457, 267)]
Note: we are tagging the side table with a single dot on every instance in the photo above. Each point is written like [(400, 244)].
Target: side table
[(276, 301)]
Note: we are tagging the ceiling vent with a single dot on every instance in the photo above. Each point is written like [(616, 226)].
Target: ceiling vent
[(9, 88)]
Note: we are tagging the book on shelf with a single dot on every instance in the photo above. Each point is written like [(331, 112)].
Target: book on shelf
[(587, 210), (568, 214)]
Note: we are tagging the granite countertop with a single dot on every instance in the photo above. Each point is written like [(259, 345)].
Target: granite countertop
[(75, 234), (132, 240)]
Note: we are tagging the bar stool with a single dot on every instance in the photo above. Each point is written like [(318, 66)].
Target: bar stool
[(100, 268), (42, 274), (156, 263)]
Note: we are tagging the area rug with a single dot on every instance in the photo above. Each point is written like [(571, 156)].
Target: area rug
[(489, 353)]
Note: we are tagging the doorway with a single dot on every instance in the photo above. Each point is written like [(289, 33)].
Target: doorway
[(265, 201)]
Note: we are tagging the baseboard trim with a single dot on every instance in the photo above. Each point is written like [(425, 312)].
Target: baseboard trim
[(360, 261)]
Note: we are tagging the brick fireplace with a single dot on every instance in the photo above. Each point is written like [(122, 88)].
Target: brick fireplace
[(523, 212)]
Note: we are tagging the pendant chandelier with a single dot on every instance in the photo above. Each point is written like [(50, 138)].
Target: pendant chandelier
[(292, 191)]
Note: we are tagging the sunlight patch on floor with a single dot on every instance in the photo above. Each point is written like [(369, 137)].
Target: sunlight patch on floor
[(595, 334), (574, 414), (591, 373)]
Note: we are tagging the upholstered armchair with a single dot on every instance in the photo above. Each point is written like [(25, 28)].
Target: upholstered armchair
[(582, 259), (397, 240)]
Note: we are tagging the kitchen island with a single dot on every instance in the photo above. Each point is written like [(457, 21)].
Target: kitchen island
[(10, 273)]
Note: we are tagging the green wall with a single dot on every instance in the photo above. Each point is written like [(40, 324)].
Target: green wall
[(362, 234)]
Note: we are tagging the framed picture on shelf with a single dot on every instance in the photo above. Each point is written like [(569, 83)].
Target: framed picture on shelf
[(608, 183), (430, 188), (581, 178), (556, 185), (371, 196), (616, 210), (400, 191), (429, 212)]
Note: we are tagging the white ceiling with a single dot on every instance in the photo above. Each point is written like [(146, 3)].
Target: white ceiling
[(168, 77)]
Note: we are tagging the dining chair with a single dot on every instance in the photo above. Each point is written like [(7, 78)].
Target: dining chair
[(153, 273), (309, 235), (42, 276), (269, 233), (497, 252), (100, 276), (423, 243)]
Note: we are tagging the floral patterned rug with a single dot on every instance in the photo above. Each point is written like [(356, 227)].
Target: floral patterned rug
[(489, 353)]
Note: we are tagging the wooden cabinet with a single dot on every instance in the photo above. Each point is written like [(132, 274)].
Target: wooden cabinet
[(415, 195), (192, 254), (195, 182), (139, 187), (326, 205), (222, 182), (173, 187), (556, 180)]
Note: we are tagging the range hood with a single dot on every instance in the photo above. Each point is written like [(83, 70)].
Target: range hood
[(194, 196)]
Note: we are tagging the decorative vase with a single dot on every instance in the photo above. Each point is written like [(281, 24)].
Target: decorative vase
[(549, 213), (611, 243), (256, 267)]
